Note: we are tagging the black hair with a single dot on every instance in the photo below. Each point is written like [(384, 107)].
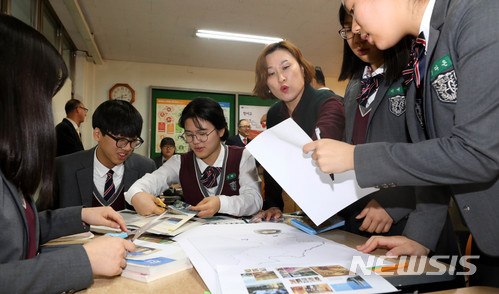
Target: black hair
[(118, 118), (207, 109), (395, 58), (167, 141), (32, 71), (71, 105), (319, 76)]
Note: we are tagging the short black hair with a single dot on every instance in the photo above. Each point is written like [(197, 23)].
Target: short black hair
[(118, 118), (395, 58), (71, 105), (240, 121), (167, 141), (319, 76), (207, 109)]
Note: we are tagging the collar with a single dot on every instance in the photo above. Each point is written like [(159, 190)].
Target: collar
[(218, 163), (72, 122), (425, 22), (102, 170), (242, 138), (369, 73)]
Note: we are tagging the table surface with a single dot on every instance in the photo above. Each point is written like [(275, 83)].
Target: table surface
[(189, 281)]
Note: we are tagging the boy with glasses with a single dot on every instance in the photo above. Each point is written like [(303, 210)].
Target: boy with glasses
[(100, 176)]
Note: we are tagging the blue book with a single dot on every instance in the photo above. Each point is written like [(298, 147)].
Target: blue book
[(306, 225)]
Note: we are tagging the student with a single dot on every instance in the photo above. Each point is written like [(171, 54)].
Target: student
[(282, 72), (452, 112), (375, 112), (32, 72), (100, 176), (68, 130), (167, 146), (319, 82), (240, 139), (215, 178)]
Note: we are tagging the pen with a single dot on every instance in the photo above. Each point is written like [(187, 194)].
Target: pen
[(381, 268), (318, 136)]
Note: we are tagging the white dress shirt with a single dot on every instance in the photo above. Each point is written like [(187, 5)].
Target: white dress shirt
[(100, 174), (248, 202)]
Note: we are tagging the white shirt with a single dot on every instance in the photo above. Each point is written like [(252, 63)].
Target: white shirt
[(242, 138), (378, 71), (425, 22), (100, 174), (248, 202)]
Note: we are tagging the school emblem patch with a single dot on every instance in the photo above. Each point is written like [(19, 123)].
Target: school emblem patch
[(233, 185), (446, 87), (397, 104)]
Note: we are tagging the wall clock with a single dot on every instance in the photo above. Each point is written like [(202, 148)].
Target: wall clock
[(122, 92)]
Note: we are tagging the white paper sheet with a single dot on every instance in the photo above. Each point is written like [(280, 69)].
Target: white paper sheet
[(279, 151), (258, 245)]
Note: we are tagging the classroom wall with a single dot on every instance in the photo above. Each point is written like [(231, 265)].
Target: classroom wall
[(92, 84)]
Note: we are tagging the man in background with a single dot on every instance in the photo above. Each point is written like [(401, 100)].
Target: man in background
[(319, 82), (167, 146), (68, 131), (100, 176), (241, 139)]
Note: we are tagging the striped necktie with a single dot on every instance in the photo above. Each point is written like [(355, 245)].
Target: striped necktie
[(415, 68), (109, 186), (209, 176), (369, 86)]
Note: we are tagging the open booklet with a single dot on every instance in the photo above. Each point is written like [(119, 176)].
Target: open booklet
[(178, 219), (307, 225)]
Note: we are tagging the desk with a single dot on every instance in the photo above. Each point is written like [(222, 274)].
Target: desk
[(189, 281)]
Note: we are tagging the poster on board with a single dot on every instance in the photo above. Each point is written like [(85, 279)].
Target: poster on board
[(168, 112)]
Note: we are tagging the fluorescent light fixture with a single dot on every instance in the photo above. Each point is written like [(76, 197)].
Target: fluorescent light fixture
[(236, 37)]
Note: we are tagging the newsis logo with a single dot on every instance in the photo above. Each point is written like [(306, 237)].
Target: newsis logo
[(416, 265)]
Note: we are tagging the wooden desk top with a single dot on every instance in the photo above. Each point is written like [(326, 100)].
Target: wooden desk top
[(189, 281)]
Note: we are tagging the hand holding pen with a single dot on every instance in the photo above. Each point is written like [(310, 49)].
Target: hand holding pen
[(318, 136)]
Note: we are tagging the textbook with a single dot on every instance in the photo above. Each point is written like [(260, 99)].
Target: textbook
[(155, 258), (306, 225)]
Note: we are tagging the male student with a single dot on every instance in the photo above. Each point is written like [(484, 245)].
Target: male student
[(241, 139), (67, 131), (100, 176)]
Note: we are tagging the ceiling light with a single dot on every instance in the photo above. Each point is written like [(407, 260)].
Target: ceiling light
[(236, 37)]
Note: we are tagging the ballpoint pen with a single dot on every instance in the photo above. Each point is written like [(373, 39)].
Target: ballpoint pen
[(318, 136)]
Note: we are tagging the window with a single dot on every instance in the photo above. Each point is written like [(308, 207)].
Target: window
[(24, 10)]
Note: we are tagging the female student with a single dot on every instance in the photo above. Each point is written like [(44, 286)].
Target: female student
[(31, 72), (375, 112), (215, 178), (282, 72), (452, 112)]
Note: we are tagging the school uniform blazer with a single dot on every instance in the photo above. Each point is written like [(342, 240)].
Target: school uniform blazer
[(236, 141), (461, 105), (386, 123), (74, 177), (68, 140), (59, 270), (158, 161)]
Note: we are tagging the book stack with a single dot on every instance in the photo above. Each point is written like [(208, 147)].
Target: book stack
[(305, 224), (155, 258)]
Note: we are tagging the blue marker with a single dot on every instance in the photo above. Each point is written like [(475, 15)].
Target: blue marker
[(318, 136)]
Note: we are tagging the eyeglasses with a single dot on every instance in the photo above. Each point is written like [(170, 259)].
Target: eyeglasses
[(86, 109), (168, 147), (122, 142), (346, 33), (245, 127), (202, 137)]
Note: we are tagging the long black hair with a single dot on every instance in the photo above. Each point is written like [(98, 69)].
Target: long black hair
[(31, 73), (395, 58)]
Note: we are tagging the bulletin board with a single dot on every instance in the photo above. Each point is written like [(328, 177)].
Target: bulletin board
[(166, 107), (253, 109)]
